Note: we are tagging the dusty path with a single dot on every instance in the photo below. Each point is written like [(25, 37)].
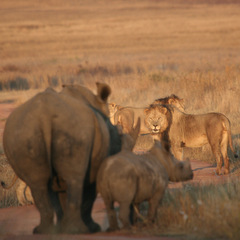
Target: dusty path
[(18, 222)]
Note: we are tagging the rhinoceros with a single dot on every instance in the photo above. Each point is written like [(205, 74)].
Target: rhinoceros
[(62, 137), (129, 179)]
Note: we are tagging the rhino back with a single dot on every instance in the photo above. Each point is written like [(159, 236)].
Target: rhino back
[(45, 128)]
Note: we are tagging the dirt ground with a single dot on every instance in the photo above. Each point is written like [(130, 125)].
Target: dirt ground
[(18, 222)]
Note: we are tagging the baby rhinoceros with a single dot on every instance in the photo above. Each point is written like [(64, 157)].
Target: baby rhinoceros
[(128, 178)]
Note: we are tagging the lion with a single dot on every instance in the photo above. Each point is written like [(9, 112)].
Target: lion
[(188, 130), (127, 116), (172, 100), (23, 191), (142, 178), (113, 108)]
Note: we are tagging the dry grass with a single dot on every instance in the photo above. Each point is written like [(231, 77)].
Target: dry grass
[(7, 197), (205, 211), (144, 50)]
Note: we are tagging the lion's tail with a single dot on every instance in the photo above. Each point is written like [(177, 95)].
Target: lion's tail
[(228, 128)]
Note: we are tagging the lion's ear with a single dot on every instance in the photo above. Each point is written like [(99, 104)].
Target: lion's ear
[(146, 110), (66, 85), (113, 104), (170, 101), (182, 101), (163, 110)]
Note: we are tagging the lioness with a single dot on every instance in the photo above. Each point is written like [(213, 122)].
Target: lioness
[(113, 108), (188, 130), (127, 116), (23, 192)]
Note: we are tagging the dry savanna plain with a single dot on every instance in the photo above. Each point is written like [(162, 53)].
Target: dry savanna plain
[(144, 49)]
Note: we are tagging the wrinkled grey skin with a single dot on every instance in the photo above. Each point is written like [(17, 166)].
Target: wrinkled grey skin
[(131, 179), (62, 137)]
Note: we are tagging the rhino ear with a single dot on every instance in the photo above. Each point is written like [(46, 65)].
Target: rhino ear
[(103, 91)]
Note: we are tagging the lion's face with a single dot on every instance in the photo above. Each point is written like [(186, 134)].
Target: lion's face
[(156, 119), (112, 107)]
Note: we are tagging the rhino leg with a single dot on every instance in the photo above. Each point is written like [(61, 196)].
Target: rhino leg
[(72, 222), (43, 204), (54, 197), (89, 196), (112, 217), (154, 203), (124, 214)]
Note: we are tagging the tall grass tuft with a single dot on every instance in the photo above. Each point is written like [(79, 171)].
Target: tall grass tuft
[(209, 211)]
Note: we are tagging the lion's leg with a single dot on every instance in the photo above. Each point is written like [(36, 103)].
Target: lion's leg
[(226, 165), (216, 140), (224, 146), (219, 158), (177, 152)]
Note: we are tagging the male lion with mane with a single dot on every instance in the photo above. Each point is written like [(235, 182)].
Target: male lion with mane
[(172, 100), (188, 130), (127, 116)]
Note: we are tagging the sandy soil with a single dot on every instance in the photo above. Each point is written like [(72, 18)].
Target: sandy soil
[(18, 222)]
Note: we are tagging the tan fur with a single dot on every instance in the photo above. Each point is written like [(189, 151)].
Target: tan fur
[(66, 136), (131, 179), (188, 130), (127, 116), (113, 108), (23, 192), (172, 100)]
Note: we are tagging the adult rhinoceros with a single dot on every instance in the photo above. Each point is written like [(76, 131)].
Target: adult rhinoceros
[(62, 137)]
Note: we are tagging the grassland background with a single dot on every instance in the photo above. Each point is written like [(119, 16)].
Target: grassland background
[(145, 49)]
